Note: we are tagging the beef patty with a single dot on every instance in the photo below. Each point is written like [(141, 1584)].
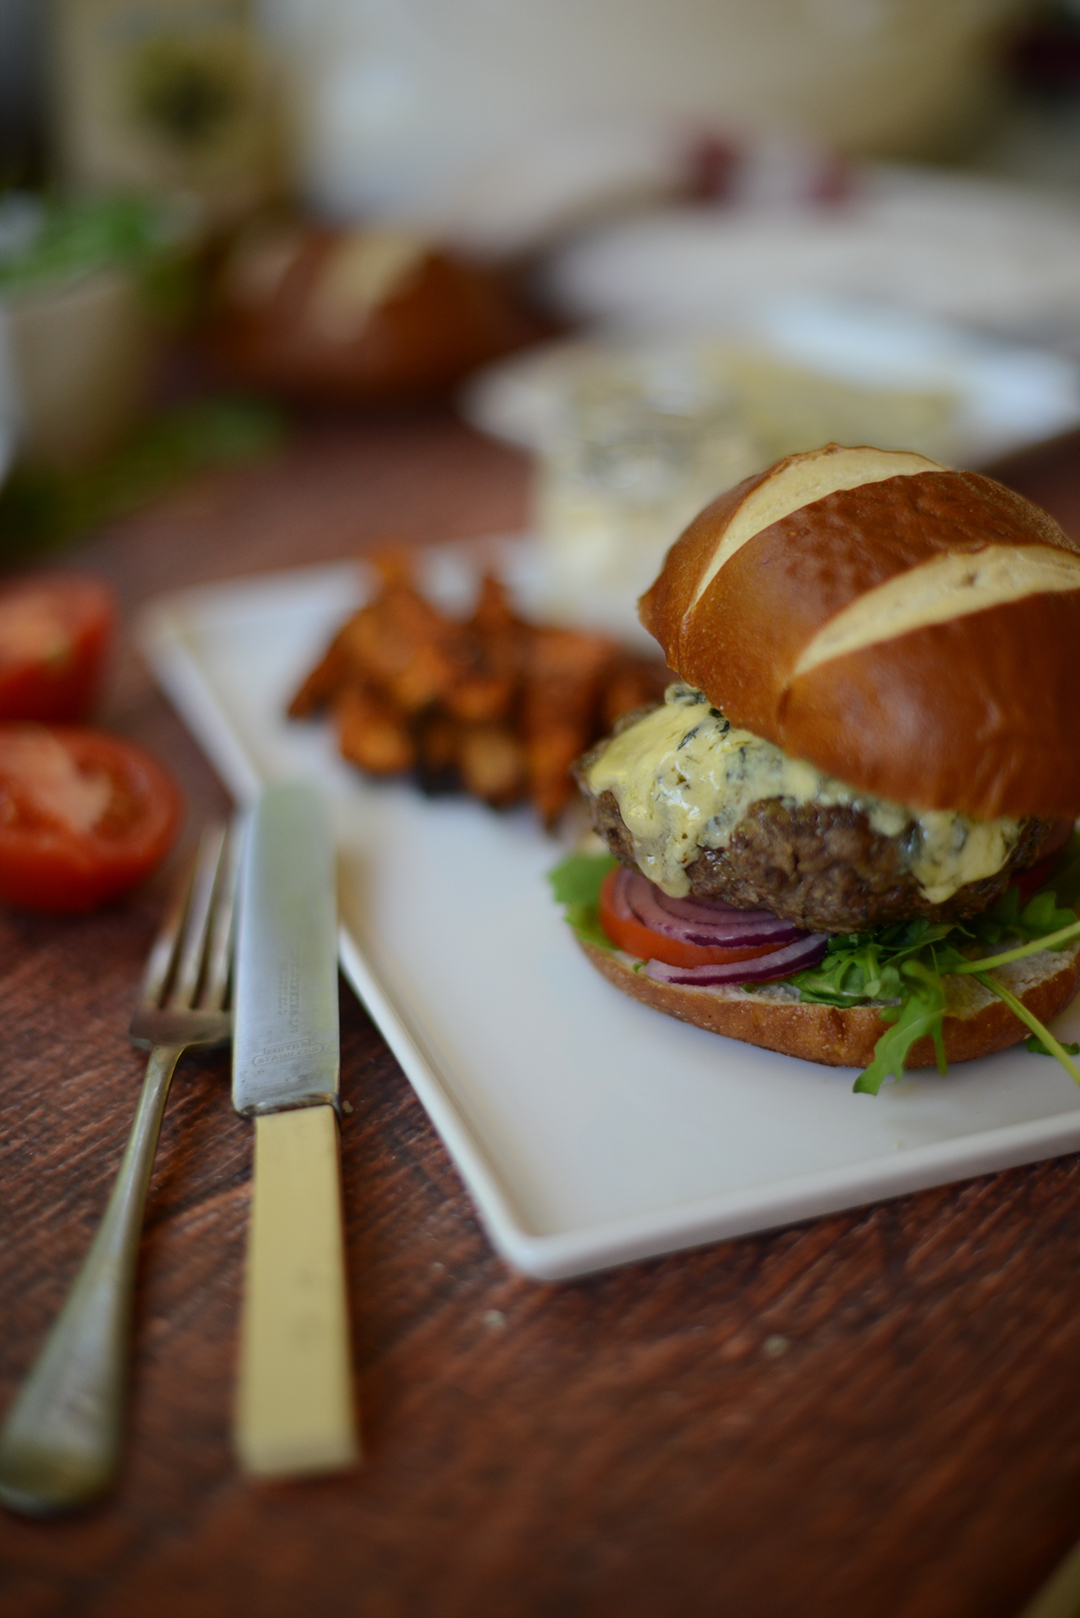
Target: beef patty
[(821, 866)]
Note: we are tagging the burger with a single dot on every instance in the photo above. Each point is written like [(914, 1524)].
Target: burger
[(846, 834)]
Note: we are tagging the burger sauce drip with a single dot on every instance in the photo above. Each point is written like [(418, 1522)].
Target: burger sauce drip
[(684, 776)]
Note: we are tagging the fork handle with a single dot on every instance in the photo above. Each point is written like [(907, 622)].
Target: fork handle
[(60, 1444), (295, 1406)]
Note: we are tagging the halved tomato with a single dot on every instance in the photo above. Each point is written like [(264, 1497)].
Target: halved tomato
[(55, 635), (627, 933), (83, 816)]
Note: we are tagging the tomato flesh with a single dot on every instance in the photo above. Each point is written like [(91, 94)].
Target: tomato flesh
[(631, 935), (55, 636), (83, 816)]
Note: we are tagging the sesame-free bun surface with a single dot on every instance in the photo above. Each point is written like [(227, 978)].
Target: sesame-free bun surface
[(912, 630), (976, 1022)]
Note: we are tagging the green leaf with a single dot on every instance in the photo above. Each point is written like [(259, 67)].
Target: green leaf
[(1059, 940), (900, 968), (1018, 1009), (919, 1013), (41, 509), (576, 883), (1065, 882), (1034, 1043), (585, 920), (1043, 914), (903, 965), (76, 238), (578, 878)]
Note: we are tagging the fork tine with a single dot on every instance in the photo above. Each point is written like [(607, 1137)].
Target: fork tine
[(193, 941), (219, 948), (163, 953)]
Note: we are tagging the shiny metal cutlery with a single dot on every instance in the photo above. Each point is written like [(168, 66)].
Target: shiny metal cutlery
[(61, 1442), (295, 1409)]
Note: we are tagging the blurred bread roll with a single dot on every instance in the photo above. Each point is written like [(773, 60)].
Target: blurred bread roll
[(369, 315)]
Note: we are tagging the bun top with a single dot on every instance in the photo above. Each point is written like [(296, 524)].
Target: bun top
[(913, 630)]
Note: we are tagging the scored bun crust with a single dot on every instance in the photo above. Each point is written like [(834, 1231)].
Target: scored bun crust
[(978, 1025), (968, 705), (299, 316)]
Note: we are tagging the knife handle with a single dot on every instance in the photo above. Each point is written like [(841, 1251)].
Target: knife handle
[(295, 1407)]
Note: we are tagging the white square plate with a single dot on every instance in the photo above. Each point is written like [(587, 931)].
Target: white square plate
[(589, 1130)]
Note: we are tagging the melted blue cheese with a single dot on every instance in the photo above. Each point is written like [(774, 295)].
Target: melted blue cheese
[(684, 776)]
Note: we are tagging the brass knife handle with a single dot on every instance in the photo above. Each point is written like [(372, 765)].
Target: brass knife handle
[(295, 1407), (60, 1443)]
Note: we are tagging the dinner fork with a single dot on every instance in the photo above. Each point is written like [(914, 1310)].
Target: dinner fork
[(60, 1444)]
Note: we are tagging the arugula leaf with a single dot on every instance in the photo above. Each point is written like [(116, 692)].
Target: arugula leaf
[(1042, 914), (904, 965), (900, 968), (1018, 1009), (1034, 1044), (920, 1012), (1066, 878), (867, 966), (576, 882), (1058, 940)]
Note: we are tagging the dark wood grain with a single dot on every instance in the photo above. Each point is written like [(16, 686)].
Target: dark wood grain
[(874, 1415)]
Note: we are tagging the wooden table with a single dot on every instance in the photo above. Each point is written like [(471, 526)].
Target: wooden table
[(876, 1415)]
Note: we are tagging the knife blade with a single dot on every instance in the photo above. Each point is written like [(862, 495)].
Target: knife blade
[(285, 1039), (294, 1405)]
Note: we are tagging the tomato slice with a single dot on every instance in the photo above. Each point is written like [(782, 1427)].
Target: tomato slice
[(1030, 880), (627, 933), (83, 816), (55, 636)]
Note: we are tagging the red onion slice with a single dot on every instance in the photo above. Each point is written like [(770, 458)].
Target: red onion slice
[(720, 927), (694, 909), (617, 895), (806, 951)]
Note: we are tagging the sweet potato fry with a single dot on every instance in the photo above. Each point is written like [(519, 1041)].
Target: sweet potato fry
[(381, 639), (493, 614), (438, 750), (427, 677), (494, 706), (372, 733), (487, 686), (493, 765), (550, 753), (505, 640), (321, 683), (479, 697), (559, 714), (394, 563)]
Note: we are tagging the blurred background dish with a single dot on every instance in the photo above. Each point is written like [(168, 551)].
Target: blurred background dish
[(371, 315), (960, 247), (416, 111), (634, 435), (166, 97), (80, 333), (753, 229)]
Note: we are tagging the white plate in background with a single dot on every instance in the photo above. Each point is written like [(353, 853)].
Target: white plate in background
[(952, 246), (589, 1130), (1007, 395)]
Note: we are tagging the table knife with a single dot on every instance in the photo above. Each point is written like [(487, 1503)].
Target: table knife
[(294, 1406)]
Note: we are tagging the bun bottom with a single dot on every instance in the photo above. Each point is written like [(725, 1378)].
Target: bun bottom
[(772, 1015)]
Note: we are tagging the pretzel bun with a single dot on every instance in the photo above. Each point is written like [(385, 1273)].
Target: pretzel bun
[(772, 1015), (910, 629), (372, 315)]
